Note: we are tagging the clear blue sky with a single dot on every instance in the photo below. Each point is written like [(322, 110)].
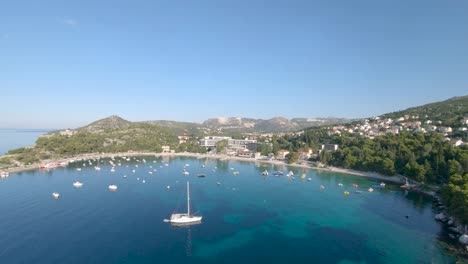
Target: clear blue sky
[(67, 63)]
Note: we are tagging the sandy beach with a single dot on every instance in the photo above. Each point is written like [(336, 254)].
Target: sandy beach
[(394, 179)]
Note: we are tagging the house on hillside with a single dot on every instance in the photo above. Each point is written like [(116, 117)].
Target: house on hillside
[(457, 142), (67, 132), (305, 154), (282, 154), (445, 129), (329, 147), (393, 130)]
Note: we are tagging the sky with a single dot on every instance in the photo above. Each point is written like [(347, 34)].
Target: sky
[(64, 64)]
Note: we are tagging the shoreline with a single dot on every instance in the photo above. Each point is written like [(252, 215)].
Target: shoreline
[(372, 175)]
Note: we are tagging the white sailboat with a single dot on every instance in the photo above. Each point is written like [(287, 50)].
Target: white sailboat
[(185, 218)]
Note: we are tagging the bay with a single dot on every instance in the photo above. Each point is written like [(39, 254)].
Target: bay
[(246, 217)]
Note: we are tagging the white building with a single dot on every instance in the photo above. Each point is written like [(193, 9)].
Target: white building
[(330, 147), (166, 149), (242, 144), (457, 142), (67, 132), (282, 154), (209, 142), (445, 129)]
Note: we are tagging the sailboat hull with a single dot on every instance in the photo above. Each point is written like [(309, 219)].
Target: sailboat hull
[(184, 219)]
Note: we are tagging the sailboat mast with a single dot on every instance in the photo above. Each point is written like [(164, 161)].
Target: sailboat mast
[(188, 199)]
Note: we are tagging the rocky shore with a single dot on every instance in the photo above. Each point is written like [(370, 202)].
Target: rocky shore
[(456, 231)]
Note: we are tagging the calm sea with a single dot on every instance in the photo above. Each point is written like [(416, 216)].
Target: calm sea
[(247, 218), (16, 138)]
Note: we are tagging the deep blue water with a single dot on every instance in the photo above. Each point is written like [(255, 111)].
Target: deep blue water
[(16, 138), (248, 218)]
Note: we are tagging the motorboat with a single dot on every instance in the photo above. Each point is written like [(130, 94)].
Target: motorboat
[(77, 184), (278, 173)]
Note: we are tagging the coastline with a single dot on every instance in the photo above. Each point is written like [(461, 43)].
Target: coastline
[(372, 175)]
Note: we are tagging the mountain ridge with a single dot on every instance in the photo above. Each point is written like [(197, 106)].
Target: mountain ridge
[(219, 124)]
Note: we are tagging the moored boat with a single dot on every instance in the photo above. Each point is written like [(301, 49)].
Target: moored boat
[(185, 218), (77, 184)]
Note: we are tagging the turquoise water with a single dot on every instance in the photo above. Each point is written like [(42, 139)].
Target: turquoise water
[(16, 138), (247, 218)]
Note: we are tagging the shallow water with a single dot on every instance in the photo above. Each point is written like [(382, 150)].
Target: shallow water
[(248, 217)]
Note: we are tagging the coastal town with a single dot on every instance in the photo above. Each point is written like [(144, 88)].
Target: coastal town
[(369, 128)]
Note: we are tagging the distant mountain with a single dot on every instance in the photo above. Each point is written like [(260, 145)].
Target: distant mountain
[(273, 125), (108, 123), (216, 126), (449, 112)]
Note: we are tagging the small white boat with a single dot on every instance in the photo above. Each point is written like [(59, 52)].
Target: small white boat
[(166, 165), (77, 184), (290, 173), (97, 168), (78, 169), (56, 195), (382, 184), (113, 187), (309, 179), (168, 187), (370, 189), (150, 172), (322, 187), (143, 181), (125, 176), (186, 173), (265, 173), (340, 184), (133, 171)]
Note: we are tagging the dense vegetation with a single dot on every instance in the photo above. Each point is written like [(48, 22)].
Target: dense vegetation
[(449, 112), (136, 137)]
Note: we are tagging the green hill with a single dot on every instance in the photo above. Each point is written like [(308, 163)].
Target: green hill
[(449, 112)]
